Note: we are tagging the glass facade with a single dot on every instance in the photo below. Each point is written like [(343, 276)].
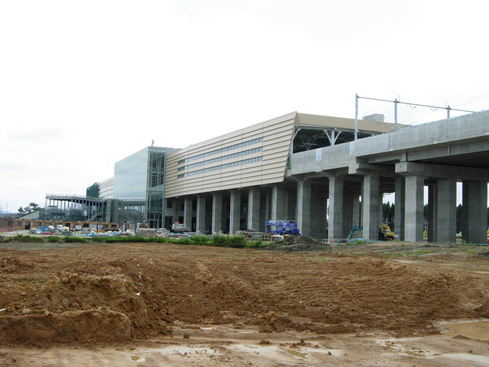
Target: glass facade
[(130, 176), (142, 176)]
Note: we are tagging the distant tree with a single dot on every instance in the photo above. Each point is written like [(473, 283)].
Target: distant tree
[(459, 218), (93, 191), (32, 207), (388, 210)]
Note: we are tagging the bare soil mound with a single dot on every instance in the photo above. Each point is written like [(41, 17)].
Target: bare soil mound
[(300, 243), (115, 293)]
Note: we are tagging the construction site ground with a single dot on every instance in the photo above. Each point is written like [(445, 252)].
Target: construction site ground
[(305, 304)]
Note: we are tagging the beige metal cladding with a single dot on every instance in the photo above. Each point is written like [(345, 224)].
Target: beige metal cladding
[(256, 155)]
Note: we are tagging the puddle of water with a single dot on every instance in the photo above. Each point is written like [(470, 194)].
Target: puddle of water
[(295, 353), (484, 361), (403, 348), (478, 330), (276, 351)]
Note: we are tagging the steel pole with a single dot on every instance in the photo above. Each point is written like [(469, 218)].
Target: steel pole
[(356, 116)]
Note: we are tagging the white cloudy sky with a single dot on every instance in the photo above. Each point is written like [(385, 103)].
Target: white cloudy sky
[(84, 84)]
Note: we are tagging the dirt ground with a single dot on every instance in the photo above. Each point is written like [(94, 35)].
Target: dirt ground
[(307, 304)]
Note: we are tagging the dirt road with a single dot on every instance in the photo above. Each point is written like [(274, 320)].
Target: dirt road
[(154, 304)]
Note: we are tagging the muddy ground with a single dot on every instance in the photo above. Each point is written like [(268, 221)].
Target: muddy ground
[(306, 304)]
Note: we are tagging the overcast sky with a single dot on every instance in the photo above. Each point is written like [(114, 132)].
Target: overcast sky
[(83, 84)]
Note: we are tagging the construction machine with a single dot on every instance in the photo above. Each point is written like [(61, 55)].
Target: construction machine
[(385, 233), (282, 227), (356, 233)]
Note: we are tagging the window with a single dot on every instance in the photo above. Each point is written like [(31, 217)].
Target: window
[(222, 166), (217, 151)]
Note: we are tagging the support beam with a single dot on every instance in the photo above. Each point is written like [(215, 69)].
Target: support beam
[(400, 206), (432, 213), (216, 212), (348, 199), (445, 211), (254, 209), (187, 212), (304, 207), (441, 171), (278, 203), (319, 193), (474, 222), (200, 221), (371, 202), (356, 216), (414, 213), (335, 219), (234, 211)]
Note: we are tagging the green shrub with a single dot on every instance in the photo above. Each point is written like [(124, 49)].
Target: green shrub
[(160, 239), (219, 240), (119, 239), (200, 239), (236, 241), (73, 239), (256, 244), (21, 238), (53, 239), (184, 241)]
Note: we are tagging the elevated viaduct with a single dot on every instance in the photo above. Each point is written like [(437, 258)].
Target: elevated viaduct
[(436, 155)]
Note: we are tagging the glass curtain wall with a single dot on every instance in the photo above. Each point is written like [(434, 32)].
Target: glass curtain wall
[(156, 187)]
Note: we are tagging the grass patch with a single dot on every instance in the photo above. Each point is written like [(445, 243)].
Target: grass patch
[(22, 238), (238, 241)]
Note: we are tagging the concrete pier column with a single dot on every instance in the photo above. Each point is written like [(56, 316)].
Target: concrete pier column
[(414, 216), (200, 220), (371, 201), (335, 219), (291, 204), (254, 208), (234, 211), (303, 216), (267, 208), (278, 203), (445, 210), (216, 212), (187, 212), (348, 199), (432, 217), (356, 217), (319, 195), (400, 206), (474, 202)]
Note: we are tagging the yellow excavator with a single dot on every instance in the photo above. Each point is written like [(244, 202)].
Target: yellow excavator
[(385, 233)]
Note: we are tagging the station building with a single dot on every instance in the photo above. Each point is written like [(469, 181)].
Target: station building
[(328, 174), (241, 179), (232, 182)]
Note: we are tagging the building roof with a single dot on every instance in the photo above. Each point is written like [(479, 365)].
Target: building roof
[(305, 119)]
